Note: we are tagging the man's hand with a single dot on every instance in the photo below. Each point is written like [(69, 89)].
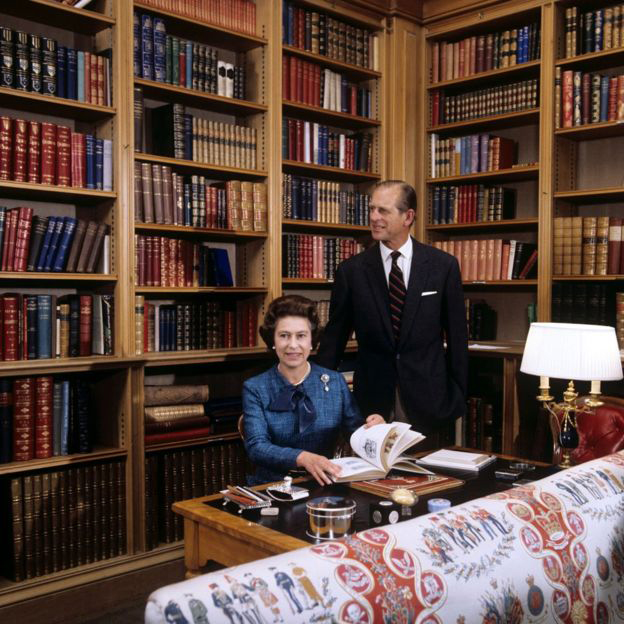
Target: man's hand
[(318, 466), (374, 419)]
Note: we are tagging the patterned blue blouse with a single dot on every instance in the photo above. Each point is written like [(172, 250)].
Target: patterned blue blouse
[(273, 439)]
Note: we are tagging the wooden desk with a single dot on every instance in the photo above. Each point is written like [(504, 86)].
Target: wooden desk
[(213, 533)]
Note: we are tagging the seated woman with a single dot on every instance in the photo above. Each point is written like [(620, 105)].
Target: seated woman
[(295, 411)]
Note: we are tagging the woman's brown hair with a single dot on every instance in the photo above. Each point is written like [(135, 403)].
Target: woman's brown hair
[(289, 305)]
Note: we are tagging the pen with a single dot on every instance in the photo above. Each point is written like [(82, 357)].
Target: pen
[(241, 491)]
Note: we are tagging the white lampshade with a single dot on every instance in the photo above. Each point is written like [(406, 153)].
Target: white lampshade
[(572, 351)]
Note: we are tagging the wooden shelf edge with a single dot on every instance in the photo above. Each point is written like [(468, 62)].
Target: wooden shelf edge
[(339, 116), (205, 356), (602, 129), (513, 172), (304, 224), (484, 75), (13, 368), (191, 164), (325, 60), (61, 460), (215, 437), (199, 289), (490, 119), (482, 224), (49, 276), (581, 58), (56, 190), (587, 278), (513, 282), (57, 102), (189, 229), (363, 175)]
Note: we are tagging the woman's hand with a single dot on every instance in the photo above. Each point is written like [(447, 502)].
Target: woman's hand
[(374, 419), (318, 466)]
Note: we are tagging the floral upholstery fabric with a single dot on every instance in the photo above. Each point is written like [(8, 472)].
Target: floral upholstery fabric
[(550, 551)]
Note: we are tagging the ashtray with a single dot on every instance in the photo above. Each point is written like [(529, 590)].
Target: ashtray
[(329, 517)]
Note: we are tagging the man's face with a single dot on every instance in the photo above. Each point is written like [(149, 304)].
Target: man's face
[(388, 224)]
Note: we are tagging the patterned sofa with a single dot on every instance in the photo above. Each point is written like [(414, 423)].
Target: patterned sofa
[(551, 551)]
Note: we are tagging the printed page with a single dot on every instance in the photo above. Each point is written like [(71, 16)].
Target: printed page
[(370, 444), (356, 468), (407, 438)]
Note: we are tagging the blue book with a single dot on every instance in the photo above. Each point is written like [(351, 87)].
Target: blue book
[(189, 65), (61, 71), (604, 98), (67, 237), (99, 164), (57, 404), (147, 47), (295, 197), (291, 25), (314, 202), (54, 242), (136, 49), (160, 40), (188, 209), (31, 326), (44, 326), (90, 161), (80, 76), (72, 69), (284, 22), (223, 269), (46, 243), (64, 441)]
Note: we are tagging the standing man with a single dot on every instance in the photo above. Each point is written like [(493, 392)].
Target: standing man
[(404, 300)]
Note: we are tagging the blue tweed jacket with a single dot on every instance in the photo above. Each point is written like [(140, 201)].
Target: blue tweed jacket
[(273, 440)]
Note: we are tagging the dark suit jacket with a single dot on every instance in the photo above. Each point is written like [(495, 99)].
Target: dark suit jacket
[(432, 380)]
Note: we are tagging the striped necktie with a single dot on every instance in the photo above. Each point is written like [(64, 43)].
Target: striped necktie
[(397, 294)]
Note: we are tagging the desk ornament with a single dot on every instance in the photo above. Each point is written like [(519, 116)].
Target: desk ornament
[(330, 517), (406, 498), (384, 512), (286, 491), (245, 498)]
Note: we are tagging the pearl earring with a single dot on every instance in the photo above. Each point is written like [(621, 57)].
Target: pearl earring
[(273, 347)]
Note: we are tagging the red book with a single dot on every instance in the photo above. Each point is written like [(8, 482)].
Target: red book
[(87, 77), (480, 60), (10, 315), (613, 93), (229, 339), (34, 152), (177, 436), (78, 160), (48, 153), (292, 139), (615, 245), (8, 249), (149, 245), (140, 260), (442, 70), (23, 419), (20, 148), (305, 83), (86, 319), (567, 97), (286, 77), (63, 156), (101, 81), (22, 238), (6, 147), (585, 98), (532, 259), (43, 417), (435, 62)]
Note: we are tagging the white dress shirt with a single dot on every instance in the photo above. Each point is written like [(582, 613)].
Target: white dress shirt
[(404, 261)]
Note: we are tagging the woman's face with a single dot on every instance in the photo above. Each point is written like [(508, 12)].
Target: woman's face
[(293, 341)]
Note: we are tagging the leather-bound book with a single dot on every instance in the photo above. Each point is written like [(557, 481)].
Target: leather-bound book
[(20, 149), (86, 319), (76, 245), (614, 245), (72, 517), (63, 156), (11, 304), (64, 244), (81, 541), (138, 193), (87, 244), (6, 420), (6, 147), (23, 419), (602, 245), (157, 192), (96, 248), (38, 230), (37, 526), (33, 166), (148, 196), (29, 527), (22, 238), (78, 160), (43, 417), (55, 528), (13, 563)]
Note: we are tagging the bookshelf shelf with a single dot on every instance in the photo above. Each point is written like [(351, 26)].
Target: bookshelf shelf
[(64, 365), (524, 172), (54, 13), (591, 196), (593, 60), (160, 358), (64, 460), (330, 173), (354, 72), (587, 278), (302, 225), (316, 113), (496, 347), (190, 443), (199, 231), (299, 281), (586, 132), (214, 35), (51, 105), (492, 122), (28, 276), (192, 97), (46, 192), (517, 283), (229, 290), (523, 70), (218, 171), (485, 226)]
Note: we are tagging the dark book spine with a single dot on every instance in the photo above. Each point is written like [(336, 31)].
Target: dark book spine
[(49, 66), (7, 58), (34, 45), (22, 61)]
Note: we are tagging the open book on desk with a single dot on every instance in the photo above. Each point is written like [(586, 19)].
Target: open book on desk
[(380, 449), (457, 460)]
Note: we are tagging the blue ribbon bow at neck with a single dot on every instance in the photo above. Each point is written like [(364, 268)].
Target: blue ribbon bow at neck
[(294, 399)]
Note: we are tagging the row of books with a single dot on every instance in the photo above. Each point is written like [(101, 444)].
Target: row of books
[(310, 199), (164, 58), (164, 325), (44, 153), (476, 429), (583, 98), (593, 31), (492, 259), (46, 416), (185, 421), (587, 246), (451, 60), (309, 142), (480, 319), (619, 318), (56, 520), (578, 302), (498, 100), (172, 476), (308, 256), (475, 153), (57, 244), (239, 15), (319, 33), (472, 203), (46, 326), (169, 131), (39, 64), (173, 262), (322, 309), (311, 84), (163, 196)]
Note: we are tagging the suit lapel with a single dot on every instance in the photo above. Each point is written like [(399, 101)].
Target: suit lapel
[(417, 280), (379, 286)]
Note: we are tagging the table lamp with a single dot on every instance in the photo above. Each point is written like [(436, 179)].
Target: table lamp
[(575, 352)]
